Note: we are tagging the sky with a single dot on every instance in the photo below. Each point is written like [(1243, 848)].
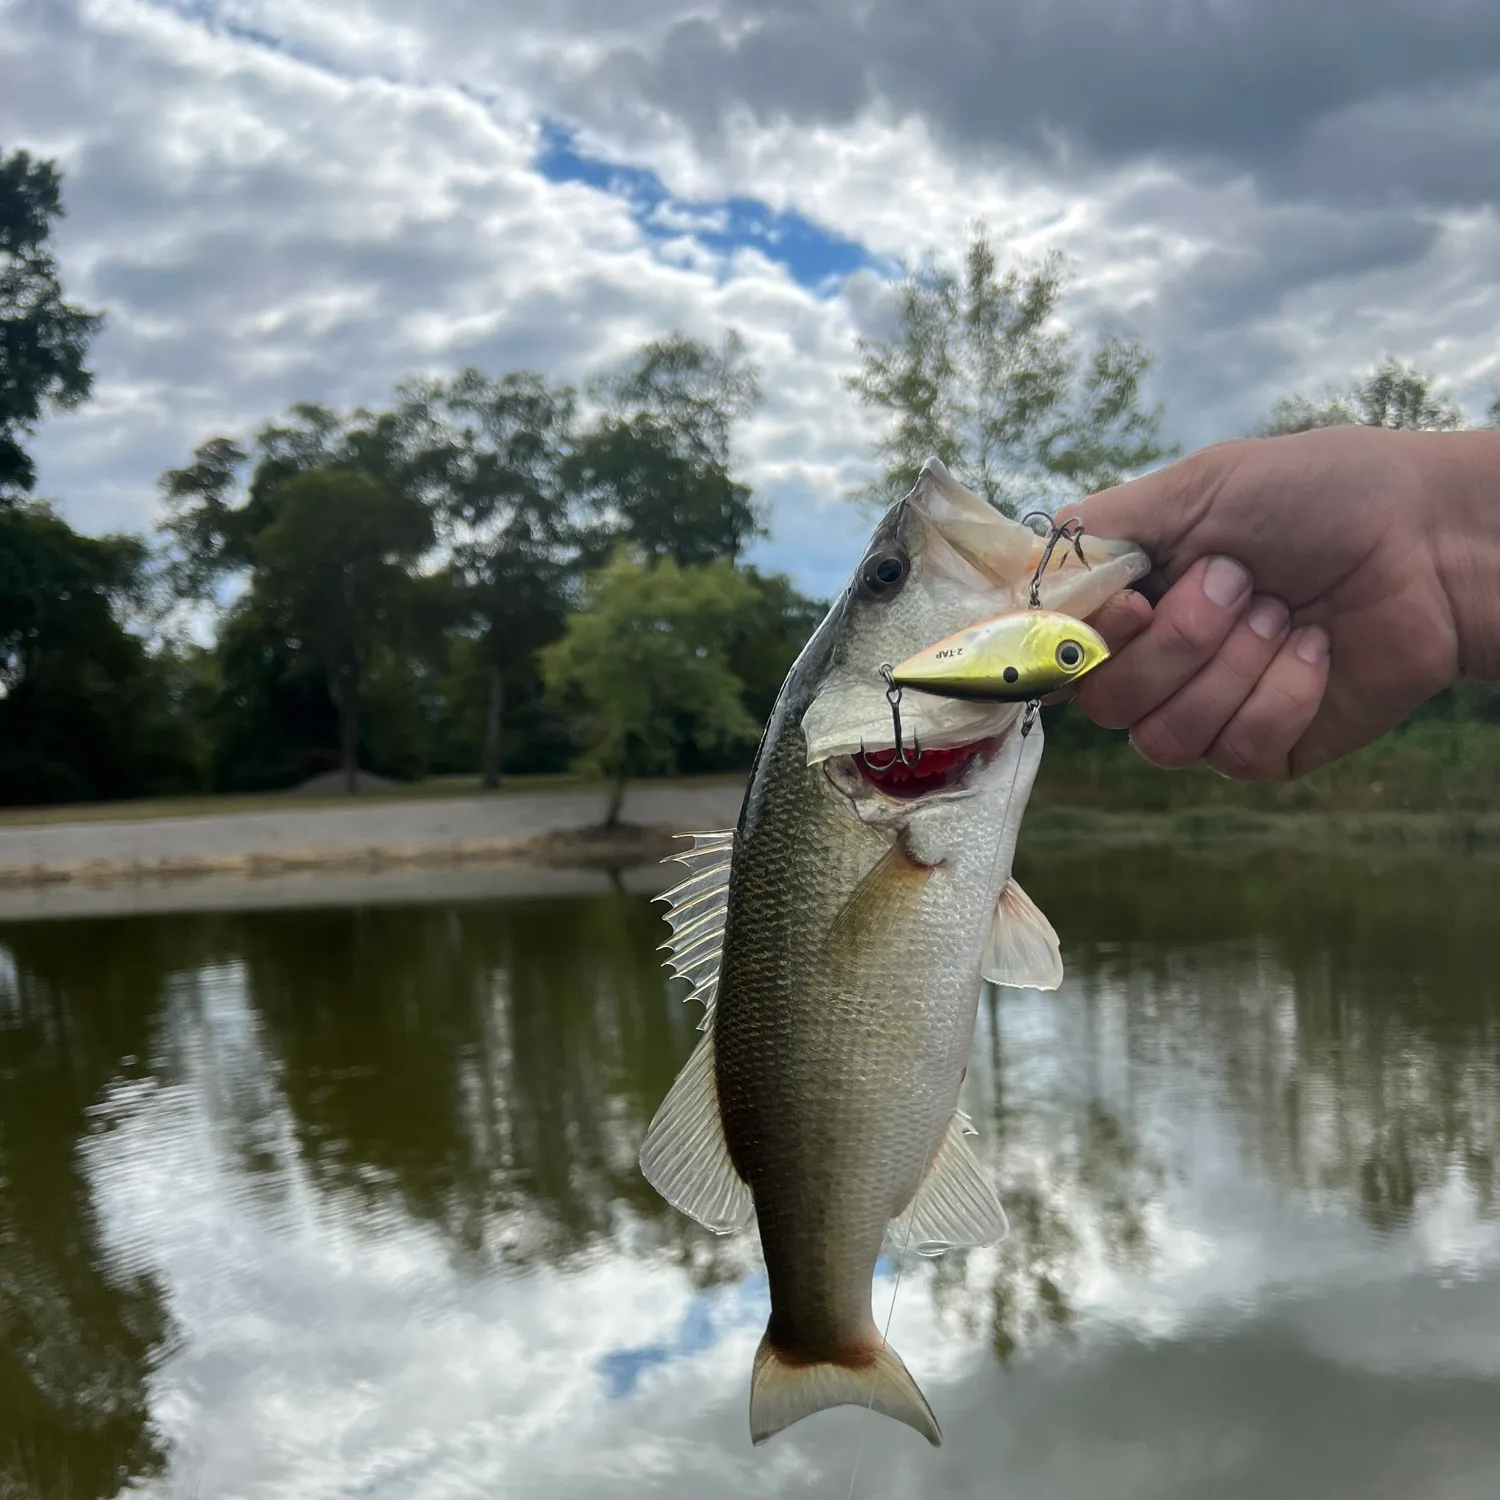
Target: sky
[(280, 200)]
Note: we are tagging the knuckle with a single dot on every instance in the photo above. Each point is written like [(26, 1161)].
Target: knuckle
[(1183, 635)]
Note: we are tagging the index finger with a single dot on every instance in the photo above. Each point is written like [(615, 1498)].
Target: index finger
[(1157, 511)]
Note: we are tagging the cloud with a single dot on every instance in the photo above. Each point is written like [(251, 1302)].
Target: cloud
[(1241, 83), (275, 200)]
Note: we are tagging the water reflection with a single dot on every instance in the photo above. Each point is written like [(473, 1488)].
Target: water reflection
[(80, 1326), (335, 1201)]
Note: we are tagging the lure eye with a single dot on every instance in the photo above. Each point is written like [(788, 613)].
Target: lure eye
[(1069, 655), (885, 572)]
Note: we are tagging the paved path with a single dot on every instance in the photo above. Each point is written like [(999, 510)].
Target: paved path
[(420, 824)]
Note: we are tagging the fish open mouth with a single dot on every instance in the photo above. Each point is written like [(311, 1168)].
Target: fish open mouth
[(927, 772)]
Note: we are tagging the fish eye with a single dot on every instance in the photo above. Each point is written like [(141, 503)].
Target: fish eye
[(885, 572), (1069, 655)]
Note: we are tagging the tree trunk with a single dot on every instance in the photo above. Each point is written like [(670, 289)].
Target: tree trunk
[(349, 728), (493, 723), (616, 801)]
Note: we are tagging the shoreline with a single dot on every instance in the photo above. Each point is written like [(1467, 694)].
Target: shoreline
[(578, 858), (574, 842), (584, 849)]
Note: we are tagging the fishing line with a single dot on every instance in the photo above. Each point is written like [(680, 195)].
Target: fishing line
[(1033, 706)]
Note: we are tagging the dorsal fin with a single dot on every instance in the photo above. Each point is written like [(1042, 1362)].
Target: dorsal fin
[(696, 913)]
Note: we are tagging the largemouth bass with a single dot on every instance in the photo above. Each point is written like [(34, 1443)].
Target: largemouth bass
[(838, 938)]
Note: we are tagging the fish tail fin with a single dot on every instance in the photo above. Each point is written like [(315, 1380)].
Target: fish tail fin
[(783, 1391)]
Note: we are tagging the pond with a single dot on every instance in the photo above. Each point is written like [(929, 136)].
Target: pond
[(343, 1202)]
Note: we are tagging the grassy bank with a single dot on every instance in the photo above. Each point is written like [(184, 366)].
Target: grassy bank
[(1432, 769)]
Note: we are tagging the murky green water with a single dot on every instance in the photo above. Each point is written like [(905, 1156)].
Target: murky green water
[(344, 1203)]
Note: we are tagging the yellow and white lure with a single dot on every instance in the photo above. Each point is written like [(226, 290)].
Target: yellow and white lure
[(1016, 657)]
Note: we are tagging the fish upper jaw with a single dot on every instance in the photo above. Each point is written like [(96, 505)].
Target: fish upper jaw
[(852, 716)]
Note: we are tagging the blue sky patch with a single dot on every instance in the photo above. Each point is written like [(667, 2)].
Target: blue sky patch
[(815, 257), (706, 1317)]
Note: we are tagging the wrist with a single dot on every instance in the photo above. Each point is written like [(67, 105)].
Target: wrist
[(1461, 495)]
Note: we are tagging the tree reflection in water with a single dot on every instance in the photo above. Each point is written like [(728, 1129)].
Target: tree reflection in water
[(487, 1071), (80, 1329)]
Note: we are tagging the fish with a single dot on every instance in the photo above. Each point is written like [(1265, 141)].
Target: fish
[(838, 938)]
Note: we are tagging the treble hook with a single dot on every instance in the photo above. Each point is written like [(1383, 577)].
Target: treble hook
[(1070, 531), (893, 697)]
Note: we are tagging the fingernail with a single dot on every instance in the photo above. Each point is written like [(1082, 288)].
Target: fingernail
[(1312, 644), (1267, 617), (1225, 581)]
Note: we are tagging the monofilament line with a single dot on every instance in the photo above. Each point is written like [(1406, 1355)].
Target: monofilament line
[(911, 1219), (885, 1337)]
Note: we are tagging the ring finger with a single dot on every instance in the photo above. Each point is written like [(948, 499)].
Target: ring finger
[(1256, 744), (1179, 732)]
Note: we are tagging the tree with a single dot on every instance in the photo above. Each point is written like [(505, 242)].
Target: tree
[(982, 374), (495, 452), (43, 339), (85, 710), (215, 513), (767, 635), (334, 569), (1393, 394), (647, 658), (655, 467)]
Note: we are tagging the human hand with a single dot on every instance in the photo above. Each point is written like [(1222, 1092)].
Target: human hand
[(1312, 590)]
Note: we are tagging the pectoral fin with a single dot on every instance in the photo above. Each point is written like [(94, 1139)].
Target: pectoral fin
[(955, 1207), (882, 904), (1022, 949)]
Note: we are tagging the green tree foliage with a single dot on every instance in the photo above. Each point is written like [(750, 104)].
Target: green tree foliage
[(655, 467), (1394, 394), (219, 503), (335, 572), (982, 373), (278, 713), (767, 635), (86, 711), (43, 339), (493, 453), (647, 660)]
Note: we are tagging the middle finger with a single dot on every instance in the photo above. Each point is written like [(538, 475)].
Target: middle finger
[(1179, 732), (1186, 629)]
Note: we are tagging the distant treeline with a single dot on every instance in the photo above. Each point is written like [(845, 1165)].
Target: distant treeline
[(500, 573)]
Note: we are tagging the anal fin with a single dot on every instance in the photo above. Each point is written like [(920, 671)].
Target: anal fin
[(1022, 949), (955, 1207), (685, 1157)]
